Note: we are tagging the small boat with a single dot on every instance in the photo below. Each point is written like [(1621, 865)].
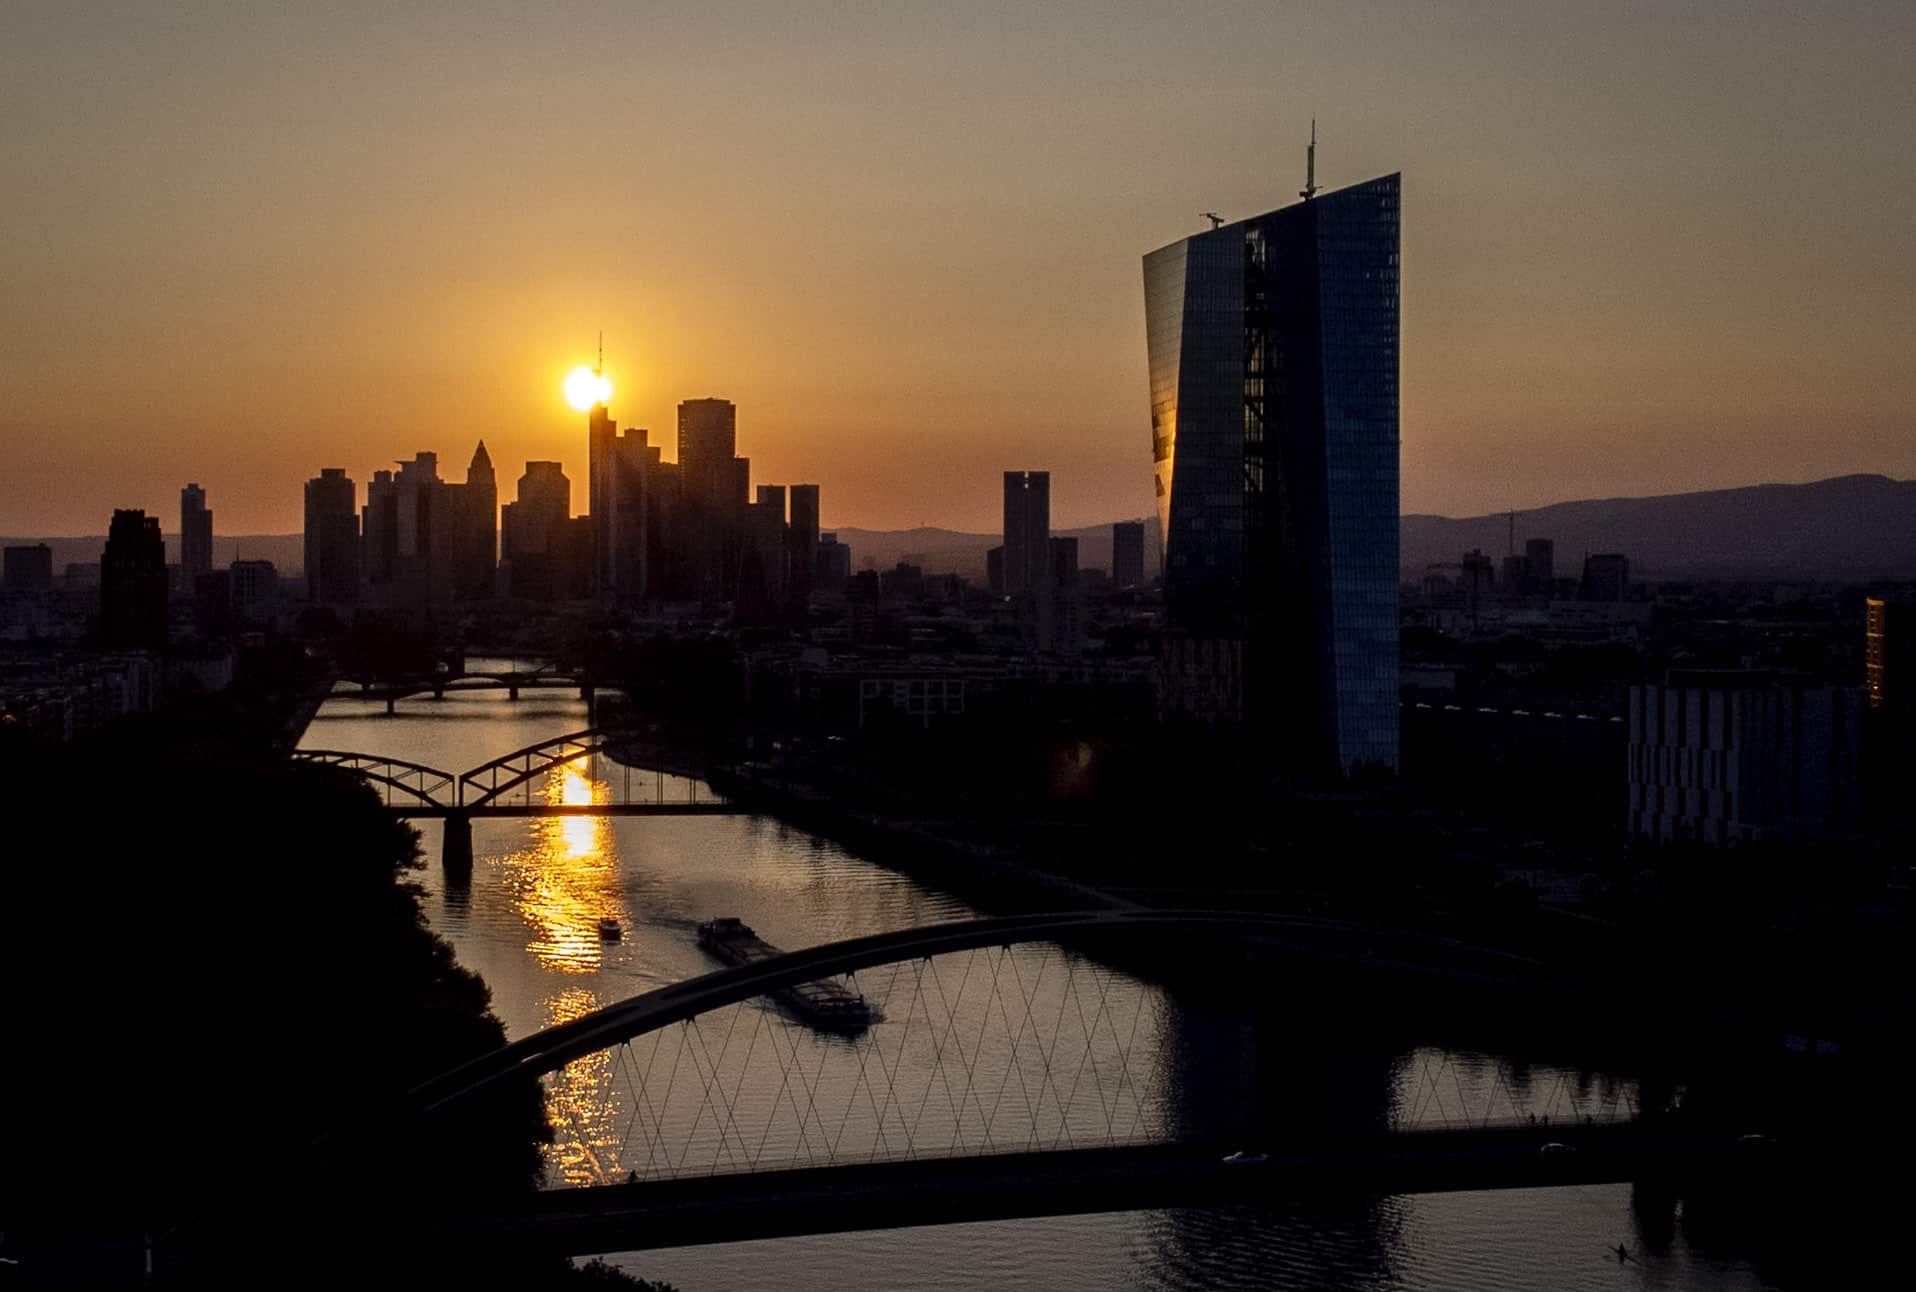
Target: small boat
[(825, 1004), (609, 929)]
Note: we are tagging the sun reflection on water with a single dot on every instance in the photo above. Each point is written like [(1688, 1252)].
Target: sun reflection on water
[(567, 881), (580, 1103)]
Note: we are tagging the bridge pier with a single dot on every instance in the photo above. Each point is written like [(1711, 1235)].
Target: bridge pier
[(455, 849), (512, 692), (439, 693), (390, 711)]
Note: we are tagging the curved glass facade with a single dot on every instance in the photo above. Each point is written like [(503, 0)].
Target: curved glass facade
[(1273, 347)]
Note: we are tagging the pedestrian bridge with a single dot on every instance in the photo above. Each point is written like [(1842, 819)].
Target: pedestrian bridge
[(1054, 1064)]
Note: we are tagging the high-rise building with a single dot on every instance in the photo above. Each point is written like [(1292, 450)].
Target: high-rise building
[(196, 536), (332, 538), (533, 534), (1061, 621), (1606, 577), (1515, 575), (764, 553), (29, 570), (1273, 349), (133, 583), (1479, 581), (471, 532), (714, 485), (420, 546), (1889, 654), (254, 588), (1539, 565), (1027, 531), (619, 476), (804, 540), (833, 569), (379, 530), (1127, 554)]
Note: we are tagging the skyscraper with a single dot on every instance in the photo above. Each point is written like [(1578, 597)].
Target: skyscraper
[(379, 530), (714, 484), (764, 556), (1127, 554), (533, 534), (1061, 619), (1273, 346), (420, 546), (1027, 531), (1539, 565), (619, 476), (196, 536), (471, 529), (133, 583), (332, 538), (804, 539)]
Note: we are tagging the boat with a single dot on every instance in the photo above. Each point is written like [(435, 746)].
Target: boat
[(609, 929), (825, 1004)]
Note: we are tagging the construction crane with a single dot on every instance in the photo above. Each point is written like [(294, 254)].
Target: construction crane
[(1217, 221)]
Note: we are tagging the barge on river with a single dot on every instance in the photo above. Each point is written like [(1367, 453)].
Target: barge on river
[(826, 1004)]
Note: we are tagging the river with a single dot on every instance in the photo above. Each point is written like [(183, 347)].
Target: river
[(528, 921)]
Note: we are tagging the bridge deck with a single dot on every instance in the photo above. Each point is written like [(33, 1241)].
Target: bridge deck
[(886, 1195), (425, 811)]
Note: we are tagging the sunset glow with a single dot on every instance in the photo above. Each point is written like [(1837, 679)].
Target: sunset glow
[(584, 387)]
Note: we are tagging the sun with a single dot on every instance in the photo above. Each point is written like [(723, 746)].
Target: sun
[(585, 387)]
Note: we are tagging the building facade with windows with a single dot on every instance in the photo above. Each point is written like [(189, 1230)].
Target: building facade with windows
[(1273, 350)]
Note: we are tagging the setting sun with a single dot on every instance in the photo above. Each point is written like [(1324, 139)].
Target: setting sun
[(584, 387)]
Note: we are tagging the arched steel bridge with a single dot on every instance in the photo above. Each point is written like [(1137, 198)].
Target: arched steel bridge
[(1004, 1073), (545, 678), (415, 790)]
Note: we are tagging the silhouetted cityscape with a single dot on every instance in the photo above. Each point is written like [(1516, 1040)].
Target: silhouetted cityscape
[(585, 869)]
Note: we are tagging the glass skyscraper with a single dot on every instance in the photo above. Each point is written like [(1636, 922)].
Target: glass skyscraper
[(1273, 356)]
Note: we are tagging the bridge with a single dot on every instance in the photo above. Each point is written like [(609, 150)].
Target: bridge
[(512, 681), (510, 785), (1064, 1064)]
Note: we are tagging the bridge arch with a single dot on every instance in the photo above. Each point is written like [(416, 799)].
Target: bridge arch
[(486, 784), (1006, 1072), (1383, 952), (426, 786)]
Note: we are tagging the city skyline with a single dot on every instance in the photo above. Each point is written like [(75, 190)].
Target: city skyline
[(1695, 283)]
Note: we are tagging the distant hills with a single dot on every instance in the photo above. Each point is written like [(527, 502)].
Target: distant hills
[(287, 552), (1847, 527), (951, 551)]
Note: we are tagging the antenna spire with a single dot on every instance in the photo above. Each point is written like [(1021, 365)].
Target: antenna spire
[(598, 369), (1309, 190)]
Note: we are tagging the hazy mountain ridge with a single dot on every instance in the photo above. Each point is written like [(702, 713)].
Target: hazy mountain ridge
[(1848, 527), (952, 551), (287, 552)]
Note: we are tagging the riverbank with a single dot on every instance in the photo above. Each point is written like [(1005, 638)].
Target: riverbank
[(309, 696), (985, 875)]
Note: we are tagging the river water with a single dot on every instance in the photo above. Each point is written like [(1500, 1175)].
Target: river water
[(528, 923)]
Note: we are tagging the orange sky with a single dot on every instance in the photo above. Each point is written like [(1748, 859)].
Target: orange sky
[(1643, 252)]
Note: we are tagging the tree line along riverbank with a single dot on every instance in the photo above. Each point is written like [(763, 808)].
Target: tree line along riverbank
[(218, 978)]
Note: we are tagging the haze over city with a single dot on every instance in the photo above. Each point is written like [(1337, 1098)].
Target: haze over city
[(1643, 252)]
